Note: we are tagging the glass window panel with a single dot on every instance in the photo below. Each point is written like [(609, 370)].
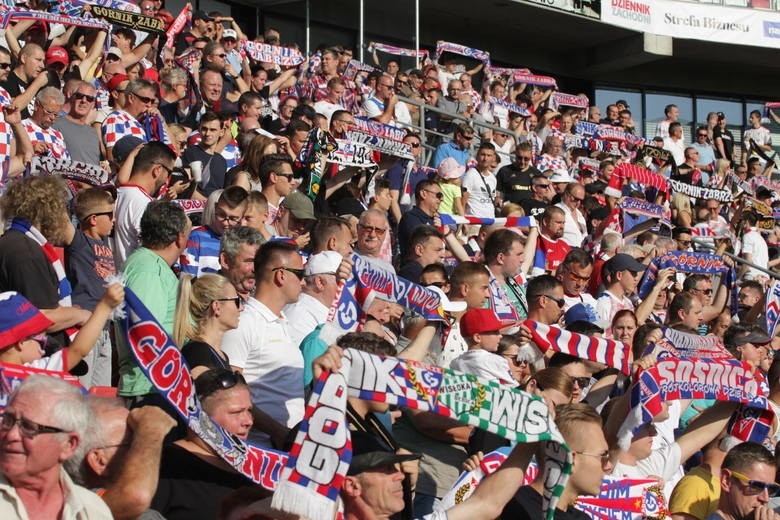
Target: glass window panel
[(606, 97), (655, 104)]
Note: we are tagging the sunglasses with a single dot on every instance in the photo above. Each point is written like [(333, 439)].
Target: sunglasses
[(223, 55), (560, 301), (372, 229), (225, 381), (79, 96), (101, 214), (296, 272), (5, 66), (288, 176), (582, 382), (143, 99), (756, 487), (169, 170), (414, 145), (238, 300), (437, 194), (577, 278)]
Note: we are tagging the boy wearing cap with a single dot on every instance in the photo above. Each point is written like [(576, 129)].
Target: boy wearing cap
[(23, 326), (481, 330), (620, 275)]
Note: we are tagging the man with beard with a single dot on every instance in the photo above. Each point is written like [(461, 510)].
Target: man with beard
[(550, 248), (80, 138), (238, 248)]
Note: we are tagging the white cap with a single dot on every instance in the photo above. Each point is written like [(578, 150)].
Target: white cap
[(326, 262), (115, 51), (445, 302), (229, 33), (561, 177)]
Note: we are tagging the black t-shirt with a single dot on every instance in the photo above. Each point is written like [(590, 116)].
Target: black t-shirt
[(728, 143), (215, 164), (200, 354), (411, 271), (514, 184), (87, 263), (527, 505), (533, 208), (191, 488)]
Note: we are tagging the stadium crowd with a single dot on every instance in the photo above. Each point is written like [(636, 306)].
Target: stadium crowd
[(240, 190)]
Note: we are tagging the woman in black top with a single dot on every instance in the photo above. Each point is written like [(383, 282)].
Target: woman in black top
[(207, 307)]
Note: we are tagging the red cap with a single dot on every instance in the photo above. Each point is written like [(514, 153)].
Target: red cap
[(115, 80), (57, 54), (477, 321)]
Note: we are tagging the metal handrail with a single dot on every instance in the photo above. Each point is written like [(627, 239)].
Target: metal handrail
[(772, 274), (425, 132)]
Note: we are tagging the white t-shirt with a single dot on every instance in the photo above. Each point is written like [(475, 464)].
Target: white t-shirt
[(676, 147), (608, 305), (326, 108), (754, 243), (131, 202), (304, 315), (453, 346), (272, 365), (662, 463), (574, 227), (485, 365), (480, 202), (585, 298)]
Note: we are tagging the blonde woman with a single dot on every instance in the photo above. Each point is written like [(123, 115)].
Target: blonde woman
[(207, 307)]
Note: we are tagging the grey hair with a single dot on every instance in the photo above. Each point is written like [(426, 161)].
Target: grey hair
[(69, 410), (171, 75), (232, 239), (137, 84), (375, 212), (51, 93), (95, 436), (610, 242)]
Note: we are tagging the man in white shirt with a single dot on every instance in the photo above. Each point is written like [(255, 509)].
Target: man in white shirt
[(315, 300), (332, 102), (574, 228), (384, 106), (480, 184), (672, 114), (261, 347), (754, 249), (675, 143)]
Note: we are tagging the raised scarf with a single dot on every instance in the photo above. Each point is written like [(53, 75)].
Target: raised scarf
[(453, 220), (178, 25), (700, 192), (399, 51), (321, 454), (266, 53), (456, 48), (533, 79), (83, 172)]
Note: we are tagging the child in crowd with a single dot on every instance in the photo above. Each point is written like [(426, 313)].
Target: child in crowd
[(449, 176), (481, 330), (23, 326)]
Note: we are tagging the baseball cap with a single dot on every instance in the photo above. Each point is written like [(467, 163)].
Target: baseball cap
[(229, 34), (445, 302), (115, 51), (477, 321), (756, 336), (19, 319), (201, 15), (623, 262), (558, 177), (449, 168), (57, 54), (300, 205), (369, 453), (349, 206), (115, 80), (326, 262), (124, 146), (584, 319), (599, 213)]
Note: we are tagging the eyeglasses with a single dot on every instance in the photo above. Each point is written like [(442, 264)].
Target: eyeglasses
[(169, 170), (582, 382), (512, 358), (603, 456), (5, 66), (223, 55), (542, 186), (238, 300), (296, 272), (702, 135), (437, 194), (742, 296), (560, 301), (685, 243), (225, 381), (53, 113), (371, 229), (27, 428), (79, 96), (414, 145), (143, 99), (288, 176), (227, 218), (756, 487)]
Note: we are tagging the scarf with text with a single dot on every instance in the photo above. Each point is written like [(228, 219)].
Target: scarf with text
[(615, 133), (75, 170), (161, 361), (559, 99), (355, 66), (612, 353), (591, 144), (623, 499), (700, 192), (322, 451), (178, 25), (349, 153), (399, 51), (640, 175), (456, 48), (75, 8), (672, 379), (687, 262), (643, 208), (11, 376), (23, 14), (500, 303), (739, 184), (134, 21), (267, 53), (368, 283), (381, 144), (585, 128), (749, 424), (505, 71), (533, 79), (517, 109)]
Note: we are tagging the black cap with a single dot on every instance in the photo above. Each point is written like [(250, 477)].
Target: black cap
[(124, 146), (623, 262), (368, 453), (756, 336), (202, 15), (595, 187), (349, 206), (763, 192), (721, 115)]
